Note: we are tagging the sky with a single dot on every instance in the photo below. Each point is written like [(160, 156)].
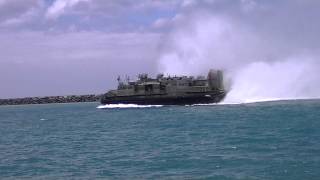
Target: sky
[(268, 49)]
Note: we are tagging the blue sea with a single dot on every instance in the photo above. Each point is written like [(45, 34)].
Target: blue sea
[(267, 140)]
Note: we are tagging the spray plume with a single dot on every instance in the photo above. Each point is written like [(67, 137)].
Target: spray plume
[(260, 63)]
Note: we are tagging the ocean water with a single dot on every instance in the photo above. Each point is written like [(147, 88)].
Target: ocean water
[(268, 140)]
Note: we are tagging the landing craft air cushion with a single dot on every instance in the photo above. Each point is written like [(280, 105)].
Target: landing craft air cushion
[(177, 90)]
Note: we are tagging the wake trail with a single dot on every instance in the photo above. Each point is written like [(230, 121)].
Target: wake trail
[(122, 106)]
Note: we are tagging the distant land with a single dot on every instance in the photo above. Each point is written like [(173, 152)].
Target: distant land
[(51, 99)]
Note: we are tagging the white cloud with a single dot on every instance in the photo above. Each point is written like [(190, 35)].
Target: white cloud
[(111, 8), (14, 10), (23, 18), (59, 7)]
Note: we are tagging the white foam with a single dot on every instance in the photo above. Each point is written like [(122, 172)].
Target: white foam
[(249, 101), (246, 101), (209, 104), (112, 106)]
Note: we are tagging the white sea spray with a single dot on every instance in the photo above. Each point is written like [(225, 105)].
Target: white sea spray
[(260, 63), (114, 106)]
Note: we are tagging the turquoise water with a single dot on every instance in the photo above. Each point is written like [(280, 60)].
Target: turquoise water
[(271, 140)]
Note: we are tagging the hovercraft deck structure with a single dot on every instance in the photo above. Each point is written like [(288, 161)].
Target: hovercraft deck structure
[(177, 90)]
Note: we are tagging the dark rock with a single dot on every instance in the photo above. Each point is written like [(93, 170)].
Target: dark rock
[(51, 99)]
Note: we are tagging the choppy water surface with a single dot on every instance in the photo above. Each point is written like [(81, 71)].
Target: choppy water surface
[(271, 140)]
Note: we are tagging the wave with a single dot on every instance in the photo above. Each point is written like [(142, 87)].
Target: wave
[(252, 101), (114, 106), (209, 104)]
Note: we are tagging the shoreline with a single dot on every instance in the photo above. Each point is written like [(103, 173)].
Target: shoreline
[(50, 99)]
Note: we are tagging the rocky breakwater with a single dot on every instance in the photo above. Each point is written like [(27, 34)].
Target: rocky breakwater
[(51, 99)]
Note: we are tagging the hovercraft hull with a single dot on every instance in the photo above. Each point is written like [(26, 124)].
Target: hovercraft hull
[(162, 99)]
